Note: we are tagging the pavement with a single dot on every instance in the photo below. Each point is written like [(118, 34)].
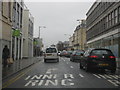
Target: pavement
[(19, 65)]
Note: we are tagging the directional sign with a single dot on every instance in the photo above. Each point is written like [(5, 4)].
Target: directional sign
[(16, 33)]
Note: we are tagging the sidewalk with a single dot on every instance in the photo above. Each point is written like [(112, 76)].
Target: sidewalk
[(118, 63), (19, 65)]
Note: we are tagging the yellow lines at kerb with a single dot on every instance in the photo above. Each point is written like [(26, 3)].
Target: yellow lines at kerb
[(9, 82)]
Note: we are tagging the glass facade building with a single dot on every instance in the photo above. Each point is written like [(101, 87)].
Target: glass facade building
[(103, 26)]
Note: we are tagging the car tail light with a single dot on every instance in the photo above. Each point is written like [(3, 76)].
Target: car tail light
[(93, 56), (112, 57), (44, 55), (74, 55)]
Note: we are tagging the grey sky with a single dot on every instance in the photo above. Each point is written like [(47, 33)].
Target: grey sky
[(58, 17)]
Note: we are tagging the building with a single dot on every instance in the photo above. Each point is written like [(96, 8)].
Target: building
[(79, 36), (28, 27), (13, 32), (62, 45), (71, 43), (17, 37), (5, 30), (5, 26), (103, 26), (37, 46)]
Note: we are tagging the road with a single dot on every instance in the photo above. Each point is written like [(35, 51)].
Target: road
[(63, 74)]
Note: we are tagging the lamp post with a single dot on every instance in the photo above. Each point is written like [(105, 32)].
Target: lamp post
[(40, 41), (69, 40), (40, 28)]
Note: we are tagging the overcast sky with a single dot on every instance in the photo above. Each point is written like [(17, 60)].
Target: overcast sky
[(59, 18)]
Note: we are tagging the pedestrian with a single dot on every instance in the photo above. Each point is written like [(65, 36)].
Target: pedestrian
[(5, 55)]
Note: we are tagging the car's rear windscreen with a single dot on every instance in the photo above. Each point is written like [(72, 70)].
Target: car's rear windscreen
[(51, 50), (101, 52)]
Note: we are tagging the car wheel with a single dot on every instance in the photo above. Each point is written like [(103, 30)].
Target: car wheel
[(44, 60), (87, 69), (71, 59), (81, 67)]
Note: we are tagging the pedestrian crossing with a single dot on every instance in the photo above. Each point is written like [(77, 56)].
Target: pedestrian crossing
[(113, 79)]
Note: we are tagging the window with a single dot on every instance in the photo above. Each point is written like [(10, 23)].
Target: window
[(107, 22), (109, 18), (0, 5), (116, 16), (119, 14), (112, 18), (100, 52), (9, 11), (51, 50)]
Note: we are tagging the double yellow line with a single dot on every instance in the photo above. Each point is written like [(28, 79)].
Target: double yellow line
[(9, 82)]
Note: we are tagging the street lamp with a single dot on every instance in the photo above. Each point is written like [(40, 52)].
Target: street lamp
[(79, 21), (40, 28)]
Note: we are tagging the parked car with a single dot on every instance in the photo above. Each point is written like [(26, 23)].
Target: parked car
[(51, 53), (63, 53), (68, 54), (76, 56), (98, 59)]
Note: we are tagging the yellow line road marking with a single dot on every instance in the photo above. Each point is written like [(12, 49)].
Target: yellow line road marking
[(7, 83), (13, 81)]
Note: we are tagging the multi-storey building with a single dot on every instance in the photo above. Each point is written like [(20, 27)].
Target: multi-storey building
[(17, 37), (79, 37), (103, 26), (71, 43), (12, 30), (28, 21), (5, 25)]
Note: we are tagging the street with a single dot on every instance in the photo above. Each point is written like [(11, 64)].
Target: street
[(63, 74)]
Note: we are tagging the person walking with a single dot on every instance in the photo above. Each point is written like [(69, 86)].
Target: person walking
[(5, 55)]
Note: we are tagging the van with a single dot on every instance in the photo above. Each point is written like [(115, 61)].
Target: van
[(51, 53)]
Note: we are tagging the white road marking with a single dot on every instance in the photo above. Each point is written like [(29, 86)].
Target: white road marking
[(37, 77), (102, 76), (113, 83), (32, 82), (71, 66), (118, 76), (49, 71), (40, 83), (81, 75), (108, 76), (67, 62), (68, 76), (65, 82), (113, 76), (55, 83), (117, 81), (27, 78), (96, 76)]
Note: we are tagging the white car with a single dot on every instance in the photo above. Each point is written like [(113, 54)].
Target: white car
[(51, 53)]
